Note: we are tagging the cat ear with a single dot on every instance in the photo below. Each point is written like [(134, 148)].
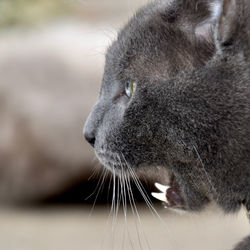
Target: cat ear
[(227, 22), (204, 30)]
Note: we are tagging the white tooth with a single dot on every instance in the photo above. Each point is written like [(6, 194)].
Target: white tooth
[(161, 187), (160, 196)]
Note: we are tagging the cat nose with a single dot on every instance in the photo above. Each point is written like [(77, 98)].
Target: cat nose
[(91, 125), (90, 137)]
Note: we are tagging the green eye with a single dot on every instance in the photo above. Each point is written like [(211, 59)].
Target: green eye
[(130, 88)]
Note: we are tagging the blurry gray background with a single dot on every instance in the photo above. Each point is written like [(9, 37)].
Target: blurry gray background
[(51, 64)]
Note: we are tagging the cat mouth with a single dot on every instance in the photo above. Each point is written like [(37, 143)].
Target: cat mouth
[(170, 195)]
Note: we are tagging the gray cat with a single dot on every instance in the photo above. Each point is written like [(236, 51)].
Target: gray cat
[(176, 94)]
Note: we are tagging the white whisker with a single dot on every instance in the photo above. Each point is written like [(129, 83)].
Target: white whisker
[(98, 184), (204, 169), (98, 192)]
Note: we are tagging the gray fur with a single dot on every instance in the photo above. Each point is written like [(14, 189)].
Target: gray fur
[(191, 109), (244, 245)]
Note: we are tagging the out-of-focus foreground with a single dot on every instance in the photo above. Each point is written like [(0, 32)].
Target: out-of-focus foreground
[(51, 64)]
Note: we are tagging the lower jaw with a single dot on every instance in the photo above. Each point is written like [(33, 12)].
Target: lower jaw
[(170, 195)]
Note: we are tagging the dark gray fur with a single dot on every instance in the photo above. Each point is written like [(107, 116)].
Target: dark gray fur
[(244, 245), (191, 109)]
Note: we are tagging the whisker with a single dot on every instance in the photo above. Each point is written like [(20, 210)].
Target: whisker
[(137, 212), (123, 175), (113, 206), (94, 173), (109, 185), (97, 185), (204, 169), (123, 192), (134, 210), (100, 187), (144, 194)]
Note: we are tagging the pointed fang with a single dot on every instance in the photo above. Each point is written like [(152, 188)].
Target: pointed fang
[(160, 196), (161, 187)]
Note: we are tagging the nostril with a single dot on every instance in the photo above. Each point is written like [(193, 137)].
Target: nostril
[(90, 138)]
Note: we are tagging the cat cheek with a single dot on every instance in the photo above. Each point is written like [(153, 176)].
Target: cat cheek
[(140, 136)]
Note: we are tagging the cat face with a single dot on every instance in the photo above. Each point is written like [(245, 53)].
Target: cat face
[(156, 109)]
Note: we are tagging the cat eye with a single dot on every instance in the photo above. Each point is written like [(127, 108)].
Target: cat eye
[(130, 88)]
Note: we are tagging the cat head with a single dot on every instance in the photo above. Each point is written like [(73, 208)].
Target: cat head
[(150, 111)]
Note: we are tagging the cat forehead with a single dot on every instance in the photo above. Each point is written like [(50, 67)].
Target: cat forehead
[(146, 35), (163, 32)]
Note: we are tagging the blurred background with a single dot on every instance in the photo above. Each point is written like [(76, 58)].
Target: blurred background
[(51, 65)]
